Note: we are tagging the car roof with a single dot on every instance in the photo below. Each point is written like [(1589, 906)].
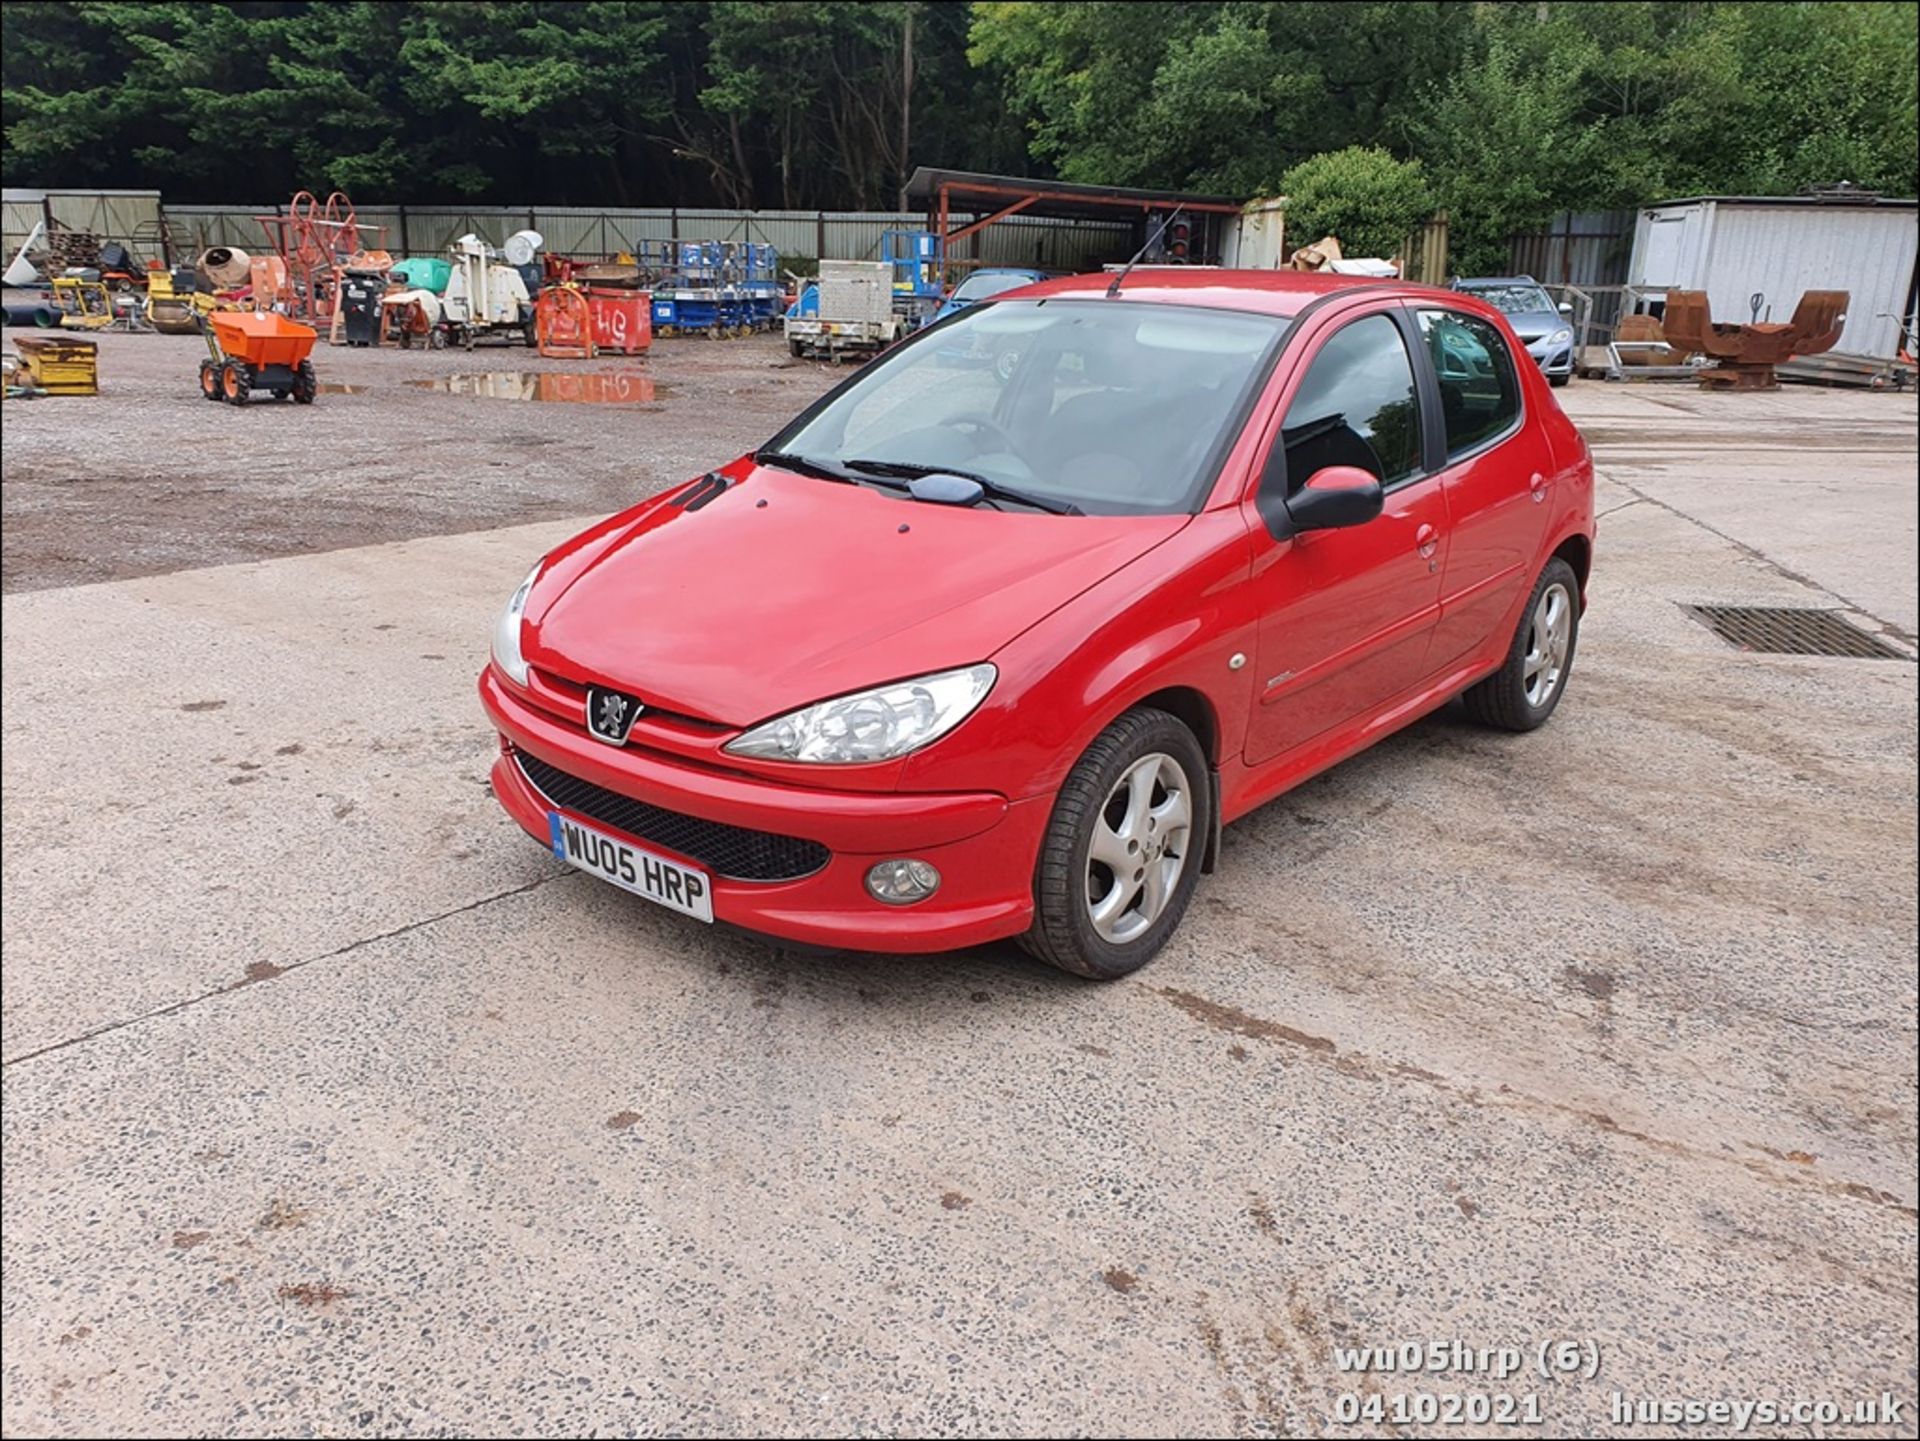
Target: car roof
[(1496, 280), (1265, 292)]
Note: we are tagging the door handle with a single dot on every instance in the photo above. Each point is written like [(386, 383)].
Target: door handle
[(1537, 483), (1427, 539)]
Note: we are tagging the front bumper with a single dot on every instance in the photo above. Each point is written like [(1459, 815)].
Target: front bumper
[(1555, 359), (983, 845)]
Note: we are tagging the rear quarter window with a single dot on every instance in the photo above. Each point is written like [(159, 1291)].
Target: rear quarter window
[(1479, 390)]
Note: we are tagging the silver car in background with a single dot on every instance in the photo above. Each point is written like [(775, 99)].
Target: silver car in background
[(1544, 328)]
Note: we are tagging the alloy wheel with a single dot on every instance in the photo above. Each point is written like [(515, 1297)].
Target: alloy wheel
[(1547, 645), (1140, 845)]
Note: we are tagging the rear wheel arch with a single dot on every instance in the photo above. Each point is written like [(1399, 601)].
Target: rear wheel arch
[(1577, 551)]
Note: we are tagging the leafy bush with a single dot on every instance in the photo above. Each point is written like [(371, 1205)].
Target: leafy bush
[(1371, 201)]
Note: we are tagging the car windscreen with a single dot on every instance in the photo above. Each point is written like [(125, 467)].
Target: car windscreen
[(980, 287), (1512, 299), (1112, 406)]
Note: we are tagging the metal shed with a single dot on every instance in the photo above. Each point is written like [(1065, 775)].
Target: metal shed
[(1121, 215), (1780, 246)]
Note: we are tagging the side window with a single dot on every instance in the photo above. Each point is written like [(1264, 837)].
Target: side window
[(1355, 406), (1479, 393)]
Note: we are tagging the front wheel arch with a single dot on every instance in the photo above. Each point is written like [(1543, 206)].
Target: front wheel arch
[(1195, 711)]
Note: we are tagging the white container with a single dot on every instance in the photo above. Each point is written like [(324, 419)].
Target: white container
[(1736, 246), (1256, 240)]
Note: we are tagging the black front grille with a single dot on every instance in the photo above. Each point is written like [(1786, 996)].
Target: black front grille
[(731, 851)]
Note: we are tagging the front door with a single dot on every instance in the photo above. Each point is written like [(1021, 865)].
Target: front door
[(1347, 615)]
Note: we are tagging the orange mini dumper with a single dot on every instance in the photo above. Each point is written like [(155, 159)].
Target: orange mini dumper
[(257, 350)]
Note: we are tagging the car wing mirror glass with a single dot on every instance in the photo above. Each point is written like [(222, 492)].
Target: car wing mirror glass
[(1338, 496)]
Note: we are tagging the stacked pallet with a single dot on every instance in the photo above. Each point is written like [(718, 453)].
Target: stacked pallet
[(70, 248)]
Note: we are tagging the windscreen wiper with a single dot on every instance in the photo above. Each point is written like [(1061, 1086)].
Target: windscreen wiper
[(912, 470), (803, 465)]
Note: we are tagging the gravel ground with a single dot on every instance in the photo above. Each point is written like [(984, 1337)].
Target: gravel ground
[(148, 477), (332, 1104)]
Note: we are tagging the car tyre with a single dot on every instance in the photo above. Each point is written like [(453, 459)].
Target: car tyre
[(1557, 381), (1524, 692), (1141, 793)]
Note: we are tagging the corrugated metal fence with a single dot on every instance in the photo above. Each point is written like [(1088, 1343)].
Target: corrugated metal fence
[(129, 216), (430, 229), (1586, 249)]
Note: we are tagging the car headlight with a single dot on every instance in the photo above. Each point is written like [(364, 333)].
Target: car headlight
[(1560, 337), (506, 631), (881, 724)]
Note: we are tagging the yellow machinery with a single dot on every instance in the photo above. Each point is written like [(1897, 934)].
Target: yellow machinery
[(59, 366), (83, 304), (175, 312)]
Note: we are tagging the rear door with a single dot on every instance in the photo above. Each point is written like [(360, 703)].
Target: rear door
[(1494, 464), (1347, 615)]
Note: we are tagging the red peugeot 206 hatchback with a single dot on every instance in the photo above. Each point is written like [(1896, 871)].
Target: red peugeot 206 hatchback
[(994, 638)]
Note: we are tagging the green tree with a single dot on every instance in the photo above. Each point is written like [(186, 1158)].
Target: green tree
[(1371, 201), (500, 84), (1211, 96), (1080, 72), (1514, 110), (1808, 94), (1505, 143)]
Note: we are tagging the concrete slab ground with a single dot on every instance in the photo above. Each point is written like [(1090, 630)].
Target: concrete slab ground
[(333, 1105)]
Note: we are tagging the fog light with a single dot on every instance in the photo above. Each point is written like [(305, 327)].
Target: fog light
[(901, 883)]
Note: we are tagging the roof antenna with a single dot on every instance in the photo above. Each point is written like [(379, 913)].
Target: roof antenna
[(1127, 269)]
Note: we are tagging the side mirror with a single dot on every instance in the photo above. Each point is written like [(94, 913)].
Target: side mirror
[(1339, 496), (1566, 308)]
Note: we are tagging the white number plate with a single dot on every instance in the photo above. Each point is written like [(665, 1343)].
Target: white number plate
[(677, 887)]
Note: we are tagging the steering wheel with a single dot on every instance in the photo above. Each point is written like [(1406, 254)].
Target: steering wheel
[(983, 424)]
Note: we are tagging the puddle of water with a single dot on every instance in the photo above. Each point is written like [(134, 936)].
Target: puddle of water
[(334, 387), (607, 387)]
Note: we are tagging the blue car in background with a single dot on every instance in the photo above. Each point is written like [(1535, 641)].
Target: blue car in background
[(984, 285), (1544, 328)]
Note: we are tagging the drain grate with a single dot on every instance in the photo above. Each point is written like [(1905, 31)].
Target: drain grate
[(1779, 630)]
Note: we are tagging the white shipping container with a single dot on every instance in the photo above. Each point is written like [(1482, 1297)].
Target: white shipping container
[(1734, 247), (1257, 238)]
